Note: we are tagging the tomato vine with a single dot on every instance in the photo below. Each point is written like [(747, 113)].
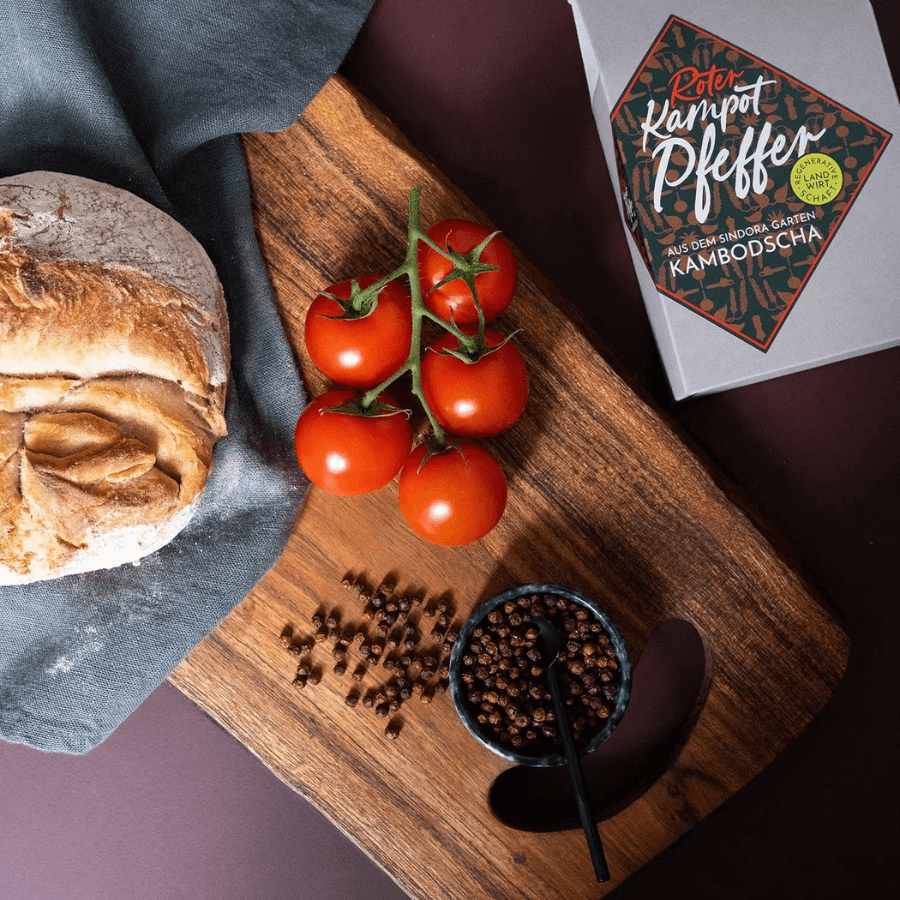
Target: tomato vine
[(466, 267), (473, 383)]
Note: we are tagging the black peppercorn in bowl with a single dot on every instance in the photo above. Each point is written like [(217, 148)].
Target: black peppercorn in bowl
[(499, 685)]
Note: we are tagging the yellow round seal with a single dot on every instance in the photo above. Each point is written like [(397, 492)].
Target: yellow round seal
[(816, 178)]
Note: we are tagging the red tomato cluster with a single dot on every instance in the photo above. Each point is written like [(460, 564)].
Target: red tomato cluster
[(452, 494)]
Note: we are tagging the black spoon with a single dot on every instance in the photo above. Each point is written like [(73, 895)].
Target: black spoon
[(548, 647)]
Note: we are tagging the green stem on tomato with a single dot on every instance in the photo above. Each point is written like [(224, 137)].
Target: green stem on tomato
[(366, 295), (468, 343), (413, 365)]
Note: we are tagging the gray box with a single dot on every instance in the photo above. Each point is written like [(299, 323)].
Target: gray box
[(749, 281)]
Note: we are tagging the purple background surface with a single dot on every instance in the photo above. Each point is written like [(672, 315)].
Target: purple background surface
[(494, 93), (169, 806)]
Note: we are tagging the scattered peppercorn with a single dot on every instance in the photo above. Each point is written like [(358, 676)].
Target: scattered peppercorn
[(391, 640)]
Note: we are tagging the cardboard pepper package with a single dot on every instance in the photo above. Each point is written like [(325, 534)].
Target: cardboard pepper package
[(753, 149)]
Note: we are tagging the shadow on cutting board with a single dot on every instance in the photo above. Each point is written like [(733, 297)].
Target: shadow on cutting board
[(669, 686)]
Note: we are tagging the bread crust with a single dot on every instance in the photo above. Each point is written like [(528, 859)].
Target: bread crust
[(113, 371)]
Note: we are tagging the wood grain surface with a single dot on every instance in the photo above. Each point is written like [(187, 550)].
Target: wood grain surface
[(605, 497)]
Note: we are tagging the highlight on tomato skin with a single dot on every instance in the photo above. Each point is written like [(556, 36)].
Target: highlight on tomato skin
[(495, 289), (348, 454), (475, 399), (359, 351), (454, 497)]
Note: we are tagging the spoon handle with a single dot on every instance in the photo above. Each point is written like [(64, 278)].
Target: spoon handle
[(576, 776)]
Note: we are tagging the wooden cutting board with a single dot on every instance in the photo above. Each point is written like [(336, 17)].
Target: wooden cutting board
[(605, 497)]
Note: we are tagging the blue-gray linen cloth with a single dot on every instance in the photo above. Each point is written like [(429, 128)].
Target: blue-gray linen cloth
[(150, 96)]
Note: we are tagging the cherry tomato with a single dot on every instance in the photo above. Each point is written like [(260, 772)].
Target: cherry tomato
[(360, 352), (349, 454), (457, 497), (475, 399), (495, 289)]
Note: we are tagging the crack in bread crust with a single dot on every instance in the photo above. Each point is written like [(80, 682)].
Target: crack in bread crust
[(95, 318), (93, 457)]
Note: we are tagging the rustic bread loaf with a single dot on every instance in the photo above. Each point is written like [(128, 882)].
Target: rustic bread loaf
[(114, 360)]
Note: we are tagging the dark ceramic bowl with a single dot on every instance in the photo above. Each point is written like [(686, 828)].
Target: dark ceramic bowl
[(467, 713)]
